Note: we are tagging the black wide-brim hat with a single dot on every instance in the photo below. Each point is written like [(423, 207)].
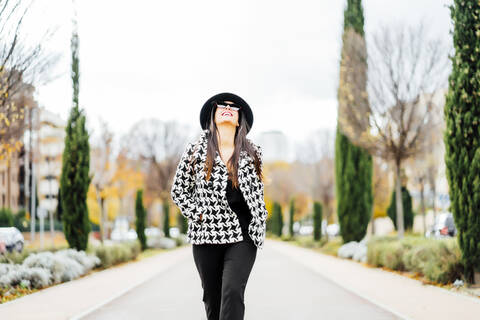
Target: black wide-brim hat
[(245, 110)]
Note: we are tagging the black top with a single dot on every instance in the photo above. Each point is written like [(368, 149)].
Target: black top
[(238, 204)]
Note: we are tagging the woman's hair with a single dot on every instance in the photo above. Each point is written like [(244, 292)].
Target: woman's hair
[(240, 142)]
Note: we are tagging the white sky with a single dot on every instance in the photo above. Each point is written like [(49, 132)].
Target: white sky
[(163, 59)]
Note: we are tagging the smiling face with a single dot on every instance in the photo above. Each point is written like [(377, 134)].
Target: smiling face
[(226, 116)]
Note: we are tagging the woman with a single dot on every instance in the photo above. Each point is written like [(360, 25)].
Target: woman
[(218, 187)]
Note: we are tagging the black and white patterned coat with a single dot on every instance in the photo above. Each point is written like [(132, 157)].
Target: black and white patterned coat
[(194, 196)]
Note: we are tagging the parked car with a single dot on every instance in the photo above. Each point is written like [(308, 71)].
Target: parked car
[(444, 226), (12, 239)]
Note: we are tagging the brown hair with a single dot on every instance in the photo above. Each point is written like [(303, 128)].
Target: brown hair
[(240, 142)]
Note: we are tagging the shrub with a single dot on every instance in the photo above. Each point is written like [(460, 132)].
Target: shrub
[(38, 270), (64, 265), (113, 254), (391, 256), (18, 257), (20, 221), (436, 259), (14, 274), (331, 247), (445, 265), (6, 217), (42, 269)]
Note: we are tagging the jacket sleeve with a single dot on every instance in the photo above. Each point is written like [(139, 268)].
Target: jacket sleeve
[(182, 191), (264, 214)]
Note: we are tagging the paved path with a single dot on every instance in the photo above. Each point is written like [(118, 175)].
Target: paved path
[(278, 288), (286, 282)]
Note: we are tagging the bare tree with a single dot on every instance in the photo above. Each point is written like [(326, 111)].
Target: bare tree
[(21, 67), (405, 69), (318, 153), (158, 145), (425, 166), (381, 189), (103, 171)]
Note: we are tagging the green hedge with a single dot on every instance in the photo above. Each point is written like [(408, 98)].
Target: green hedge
[(116, 253), (6, 217), (436, 259)]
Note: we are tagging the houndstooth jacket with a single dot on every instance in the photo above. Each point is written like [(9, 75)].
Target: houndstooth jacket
[(194, 196)]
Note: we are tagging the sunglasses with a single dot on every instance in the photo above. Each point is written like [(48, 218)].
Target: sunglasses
[(232, 106)]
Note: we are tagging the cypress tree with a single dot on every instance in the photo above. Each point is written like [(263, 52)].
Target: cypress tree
[(353, 165), (277, 219), (166, 219), (291, 213), (140, 219), (59, 206), (462, 134), (408, 214), (317, 221), (75, 179)]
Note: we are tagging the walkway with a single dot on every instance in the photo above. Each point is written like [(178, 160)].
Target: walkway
[(286, 282)]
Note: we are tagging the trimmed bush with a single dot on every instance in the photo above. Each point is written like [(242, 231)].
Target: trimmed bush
[(64, 265), (20, 221), (18, 257), (14, 274), (6, 217), (113, 254), (42, 269), (436, 259)]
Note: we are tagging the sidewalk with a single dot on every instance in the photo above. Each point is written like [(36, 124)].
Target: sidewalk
[(70, 300), (403, 296)]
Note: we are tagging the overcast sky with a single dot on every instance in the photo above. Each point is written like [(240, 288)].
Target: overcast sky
[(163, 59)]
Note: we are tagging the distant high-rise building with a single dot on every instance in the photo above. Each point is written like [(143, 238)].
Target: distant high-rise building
[(275, 146)]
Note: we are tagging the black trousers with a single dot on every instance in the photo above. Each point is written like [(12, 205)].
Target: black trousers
[(224, 270)]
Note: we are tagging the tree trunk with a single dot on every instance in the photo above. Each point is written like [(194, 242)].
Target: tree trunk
[(398, 200), (434, 205), (373, 225), (422, 204), (327, 216), (101, 220), (9, 204)]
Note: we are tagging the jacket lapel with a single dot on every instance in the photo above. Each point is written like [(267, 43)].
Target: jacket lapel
[(246, 170), (244, 158)]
